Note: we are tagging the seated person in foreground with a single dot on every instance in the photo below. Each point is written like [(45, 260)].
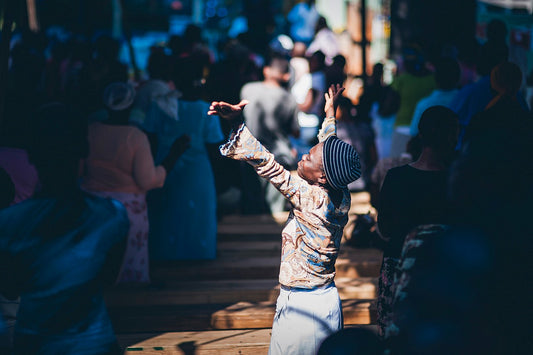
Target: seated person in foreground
[(59, 249), (311, 238)]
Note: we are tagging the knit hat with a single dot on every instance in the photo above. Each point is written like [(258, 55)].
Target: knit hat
[(119, 96), (341, 162)]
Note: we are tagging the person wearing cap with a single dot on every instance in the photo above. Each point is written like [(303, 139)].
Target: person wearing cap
[(120, 166), (308, 308)]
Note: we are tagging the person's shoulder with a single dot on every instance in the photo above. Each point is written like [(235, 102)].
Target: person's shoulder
[(399, 172)]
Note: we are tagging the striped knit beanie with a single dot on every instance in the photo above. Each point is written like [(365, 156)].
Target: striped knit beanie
[(341, 163)]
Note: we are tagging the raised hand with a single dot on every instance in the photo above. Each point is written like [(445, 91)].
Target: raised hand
[(225, 110), (332, 96)]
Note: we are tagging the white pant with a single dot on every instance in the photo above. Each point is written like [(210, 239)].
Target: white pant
[(304, 319)]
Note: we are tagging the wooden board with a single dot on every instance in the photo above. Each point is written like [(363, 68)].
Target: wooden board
[(226, 291), (163, 318), (203, 340), (244, 315), (240, 265), (222, 342)]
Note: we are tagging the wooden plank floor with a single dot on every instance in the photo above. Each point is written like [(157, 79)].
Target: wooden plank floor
[(226, 305)]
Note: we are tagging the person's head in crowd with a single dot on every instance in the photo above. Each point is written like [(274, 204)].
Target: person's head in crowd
[(388, 102), (321, 23), (496, 31), (447, 73), (118, 100), (438, 129), (59, 141), (352, 341), (7, 189), (188, 77), (413, 60), (377, 73), (339, 61), (192, 36), (175, 44), (281, 45), (298, 51), (106, 48), (490, 55), (159, 64), (317, 62), (345, 109), (506, 79), (277, 69)]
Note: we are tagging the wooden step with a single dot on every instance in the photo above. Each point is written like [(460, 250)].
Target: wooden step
[(140, 319), (241, 315), (225, 291), (221, 342), (202, 342), (244, 315), (239, 265)]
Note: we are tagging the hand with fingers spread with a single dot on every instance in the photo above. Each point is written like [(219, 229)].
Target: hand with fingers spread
[(227, 111), (332, 97)]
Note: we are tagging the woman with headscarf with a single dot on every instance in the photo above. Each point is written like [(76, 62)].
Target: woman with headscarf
[(120, 166)]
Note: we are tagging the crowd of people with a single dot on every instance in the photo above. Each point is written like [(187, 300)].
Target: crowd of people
[(104, 172)]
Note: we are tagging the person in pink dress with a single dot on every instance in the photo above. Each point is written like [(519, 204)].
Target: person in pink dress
[(120, 166)]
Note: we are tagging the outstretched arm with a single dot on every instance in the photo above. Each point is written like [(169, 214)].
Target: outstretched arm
[(329, 127), (229, 112), (243, 146)]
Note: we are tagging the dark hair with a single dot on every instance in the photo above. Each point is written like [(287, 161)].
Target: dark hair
[(278, 63), (490, 55), (438, 128), (506, 78), (320, 58), (159, 64), (339, 60), (447, 73), (389, 102), (496, 31)]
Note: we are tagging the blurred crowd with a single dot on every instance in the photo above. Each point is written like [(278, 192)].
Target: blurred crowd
[(105, 169)]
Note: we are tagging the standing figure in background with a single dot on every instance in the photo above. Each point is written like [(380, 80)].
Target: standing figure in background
[(325, 41), (416, 83), (357, 132), (303, 18), (120, 166), (182, 214), (272, 116), (336, 72), (447, 74), (414, 194), (308, 94)]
